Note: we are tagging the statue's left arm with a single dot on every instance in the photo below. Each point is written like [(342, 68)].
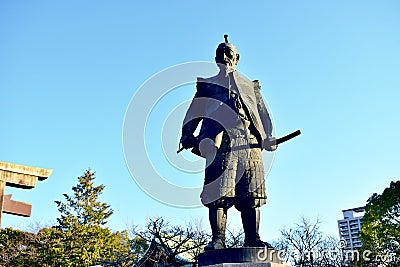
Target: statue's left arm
[(266, 121), (262, 110)]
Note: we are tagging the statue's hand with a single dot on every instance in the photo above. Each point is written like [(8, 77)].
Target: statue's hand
[(207, 147), (270, 144), (189, 141)]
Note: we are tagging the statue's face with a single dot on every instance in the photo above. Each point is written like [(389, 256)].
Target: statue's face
[(227, 55)]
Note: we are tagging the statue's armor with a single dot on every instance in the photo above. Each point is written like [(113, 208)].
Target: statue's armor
[(239, 173), (235, 176)]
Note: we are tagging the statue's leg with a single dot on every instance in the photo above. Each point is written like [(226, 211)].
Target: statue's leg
[(251, 223), (221, 175), (217, 217)]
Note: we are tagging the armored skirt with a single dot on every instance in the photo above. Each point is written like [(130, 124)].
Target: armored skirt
[(234, 175)]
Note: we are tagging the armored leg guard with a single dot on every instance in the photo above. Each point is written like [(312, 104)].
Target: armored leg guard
[(217, 217), (251, 222)]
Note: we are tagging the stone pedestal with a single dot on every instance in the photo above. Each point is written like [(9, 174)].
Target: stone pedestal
[(240, 257)]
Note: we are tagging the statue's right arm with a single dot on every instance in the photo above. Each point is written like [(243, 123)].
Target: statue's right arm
[(195, 112)]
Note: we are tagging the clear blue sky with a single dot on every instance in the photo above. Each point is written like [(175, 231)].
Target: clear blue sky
[(68, 70)]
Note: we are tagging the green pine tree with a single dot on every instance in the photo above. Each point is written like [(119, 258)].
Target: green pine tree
[(83, 207), (85, 240)]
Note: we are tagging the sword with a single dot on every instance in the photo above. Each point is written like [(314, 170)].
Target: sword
[(274, 142), (286, 137)]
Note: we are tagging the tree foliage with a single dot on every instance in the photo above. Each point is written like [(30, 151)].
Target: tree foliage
[(305, 245), (78, 239), (234, 238), (19, 248), (15, 249), (175, 242), (380, 231), (85, 241), (83, 207)]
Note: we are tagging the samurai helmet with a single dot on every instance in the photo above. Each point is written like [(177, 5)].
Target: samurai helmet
[(227, 54)]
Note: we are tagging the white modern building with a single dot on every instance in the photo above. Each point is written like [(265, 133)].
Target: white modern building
[(350, 226)]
